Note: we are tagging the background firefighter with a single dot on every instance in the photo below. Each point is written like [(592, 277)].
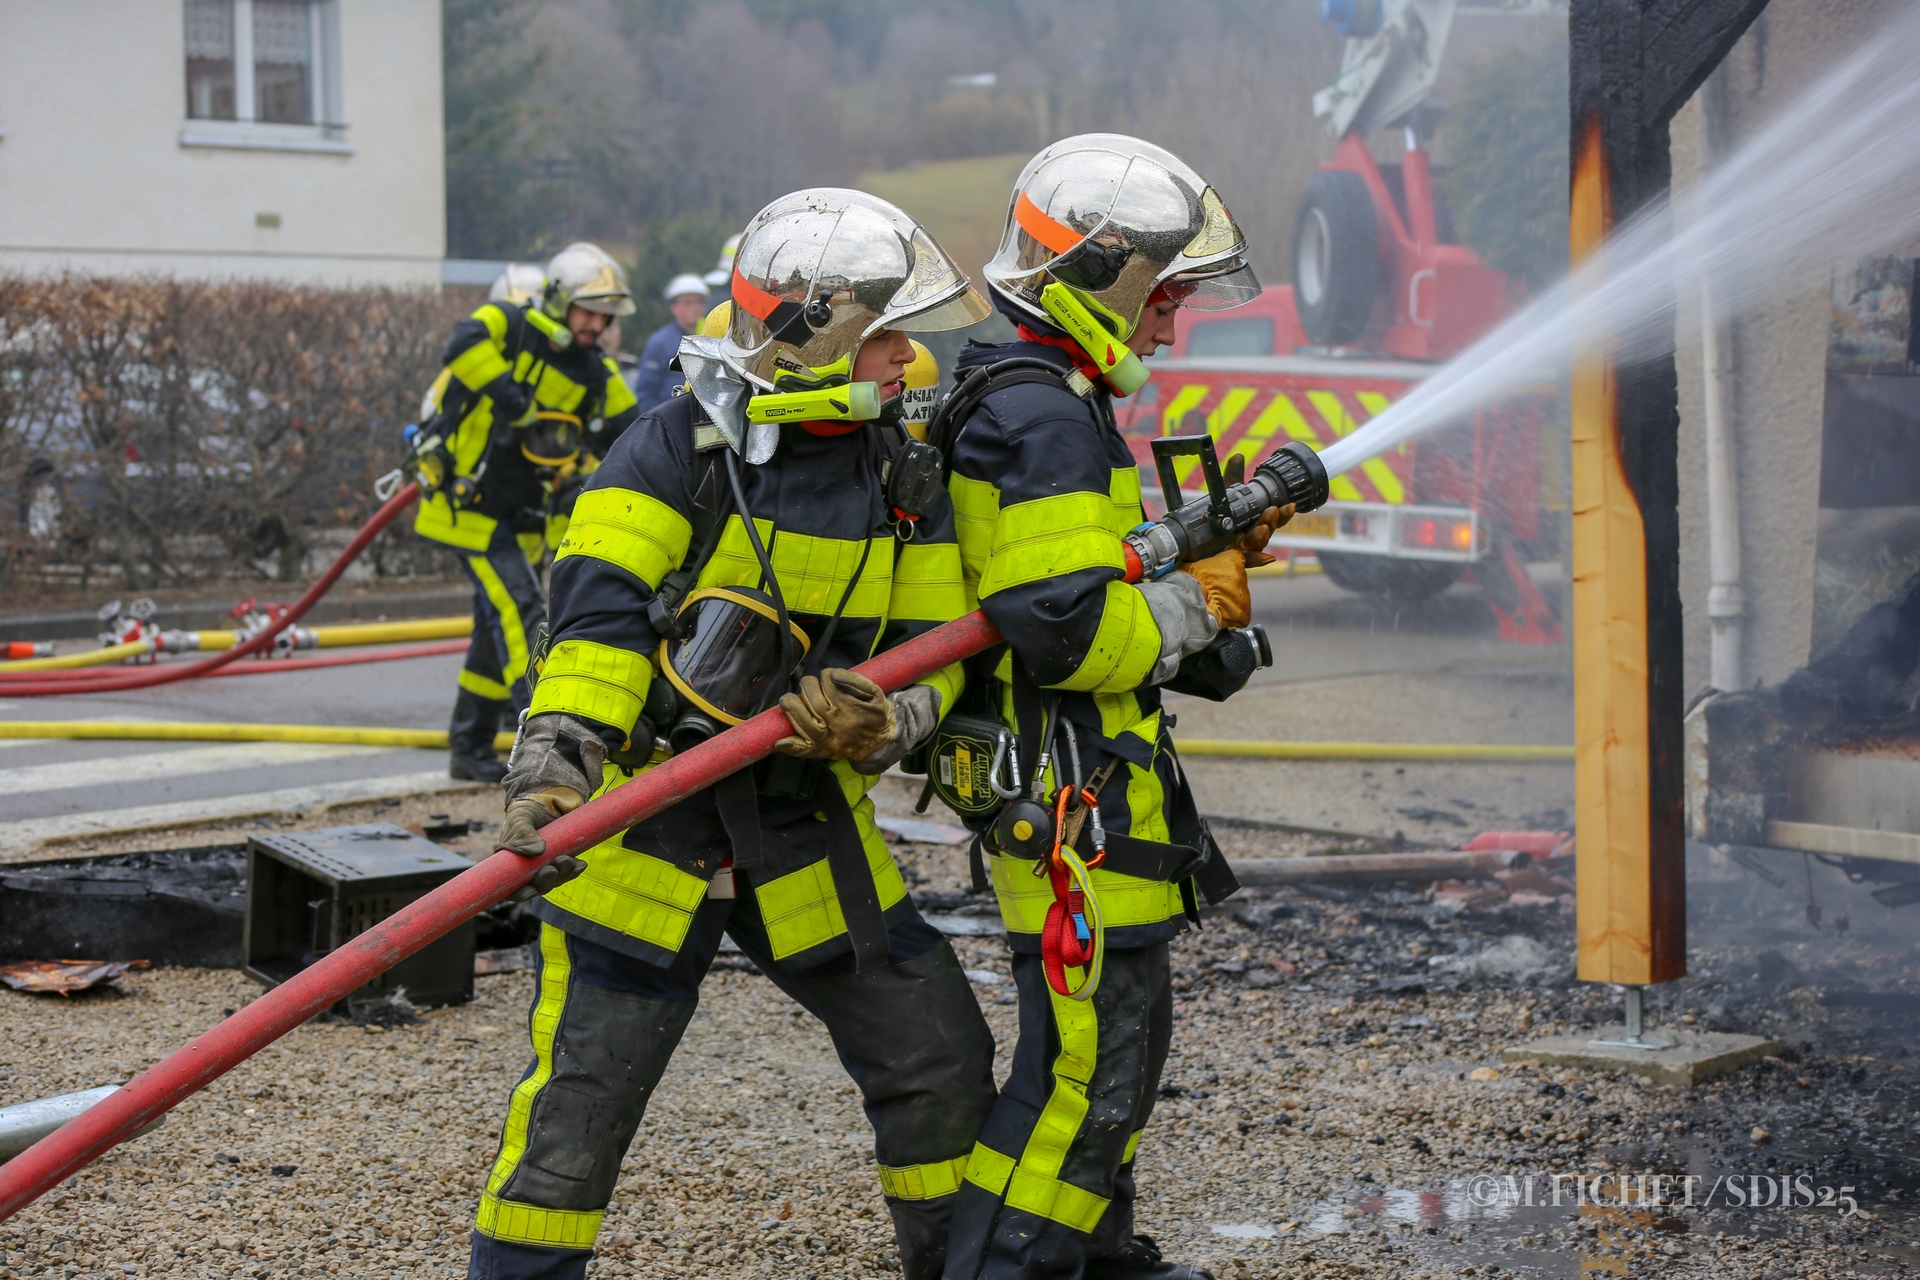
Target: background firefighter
[(526, 387), (661, 593), (686, 297), (1106, 237)]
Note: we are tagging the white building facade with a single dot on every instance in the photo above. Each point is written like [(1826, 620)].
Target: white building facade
[(294, 140)]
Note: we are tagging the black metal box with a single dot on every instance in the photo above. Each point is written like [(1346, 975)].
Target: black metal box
[(309, 892)]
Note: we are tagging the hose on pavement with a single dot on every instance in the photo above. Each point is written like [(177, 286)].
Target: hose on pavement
[(179, 731), (259, 642)]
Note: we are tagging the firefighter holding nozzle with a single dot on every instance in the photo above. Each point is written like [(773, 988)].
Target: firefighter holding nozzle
[(1090, 835), (744, 544)]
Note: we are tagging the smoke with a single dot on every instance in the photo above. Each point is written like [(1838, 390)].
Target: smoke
[(1836, 176)]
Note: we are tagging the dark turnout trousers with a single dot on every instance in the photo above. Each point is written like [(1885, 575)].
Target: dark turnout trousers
[(1050, 1183), (604, 1025)]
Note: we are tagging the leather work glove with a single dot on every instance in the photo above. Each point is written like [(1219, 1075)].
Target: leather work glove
[(1253, 543), (916, 712), (837, 715), (520, 832), (1223, 577), (556, 764)]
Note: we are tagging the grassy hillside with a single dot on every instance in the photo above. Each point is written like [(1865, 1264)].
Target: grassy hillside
[(962, 202)]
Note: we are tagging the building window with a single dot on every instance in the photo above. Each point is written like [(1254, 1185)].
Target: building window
[(262, 61), (283, 62), (210, 60)]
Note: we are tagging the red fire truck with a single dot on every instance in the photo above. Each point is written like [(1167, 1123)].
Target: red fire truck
[(1383, 292)]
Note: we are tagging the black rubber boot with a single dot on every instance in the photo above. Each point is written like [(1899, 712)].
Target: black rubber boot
[(471, 757), (1139, 1259)]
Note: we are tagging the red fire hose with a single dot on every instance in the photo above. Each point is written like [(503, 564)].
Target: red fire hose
[(349, 659), (217, 1051), (150, 676), (83, 681)]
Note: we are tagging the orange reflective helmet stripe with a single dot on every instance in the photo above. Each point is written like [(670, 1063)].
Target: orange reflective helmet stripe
[(758, 302), (1056, 235)]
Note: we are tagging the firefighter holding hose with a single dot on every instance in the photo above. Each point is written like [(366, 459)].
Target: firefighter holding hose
[(749, 541), (1105, 238), (526, 388)]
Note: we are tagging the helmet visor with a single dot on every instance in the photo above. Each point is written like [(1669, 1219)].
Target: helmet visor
[(1222, 291), (618, 304), (957, 312), (934, 296), (730, 664)]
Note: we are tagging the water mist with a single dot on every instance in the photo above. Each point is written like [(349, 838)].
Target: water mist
[(1837, 175)]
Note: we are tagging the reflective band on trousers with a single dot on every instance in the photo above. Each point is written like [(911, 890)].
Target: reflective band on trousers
[(530, 1224), (1033, 1182), (1124, 900), (511, 624), (923, 1181), (506, 1219), (650, 899), (473, 682), (633, 893)]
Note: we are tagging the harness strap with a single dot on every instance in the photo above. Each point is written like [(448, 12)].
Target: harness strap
[(1214, 875), (852, 878), (739, 805)]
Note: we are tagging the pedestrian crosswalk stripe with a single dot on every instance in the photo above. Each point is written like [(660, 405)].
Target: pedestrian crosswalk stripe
[(174, 763)]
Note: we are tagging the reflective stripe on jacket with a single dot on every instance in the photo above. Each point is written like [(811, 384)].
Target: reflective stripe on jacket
[(815, 505), (1043, 487)]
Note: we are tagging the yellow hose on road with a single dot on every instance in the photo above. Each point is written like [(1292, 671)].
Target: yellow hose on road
[(340, 637), (175, 731), (1456, 752), (394, 632), (356, 633), (91, 658)]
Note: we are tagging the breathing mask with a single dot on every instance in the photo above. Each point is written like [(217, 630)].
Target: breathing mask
[(732, 663)]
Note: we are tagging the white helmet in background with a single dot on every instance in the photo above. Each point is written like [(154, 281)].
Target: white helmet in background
[(684, 285), (723, 271), (520, 284), (584, 275)]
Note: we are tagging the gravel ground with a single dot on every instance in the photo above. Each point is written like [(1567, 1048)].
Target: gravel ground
[(1334, 1093)]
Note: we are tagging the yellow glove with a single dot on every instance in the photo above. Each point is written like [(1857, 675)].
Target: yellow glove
[(837, 715), (1223, 578)]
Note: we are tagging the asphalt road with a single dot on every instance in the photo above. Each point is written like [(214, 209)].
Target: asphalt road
[(53, 788), (1347, 669)]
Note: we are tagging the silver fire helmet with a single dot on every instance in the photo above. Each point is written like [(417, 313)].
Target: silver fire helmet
[(819, 272), (1115, 219)]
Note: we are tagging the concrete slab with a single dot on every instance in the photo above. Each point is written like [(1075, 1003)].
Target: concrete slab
[(1693, 1057)]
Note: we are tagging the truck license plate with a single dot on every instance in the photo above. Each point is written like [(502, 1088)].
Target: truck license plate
[(1312, 525)]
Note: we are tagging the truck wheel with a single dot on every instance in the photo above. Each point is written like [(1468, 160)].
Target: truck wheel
[(1336, 258), (1401, 581)]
